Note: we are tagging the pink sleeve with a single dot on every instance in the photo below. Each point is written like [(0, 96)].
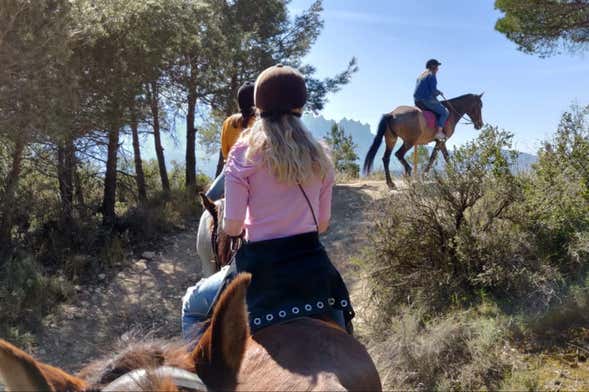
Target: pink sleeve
[(325, 196), (237, 171)]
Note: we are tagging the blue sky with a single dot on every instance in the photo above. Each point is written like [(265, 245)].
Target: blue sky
[(392, 39)]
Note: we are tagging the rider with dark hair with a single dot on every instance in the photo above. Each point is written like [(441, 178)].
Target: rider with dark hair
[(232, 128), (425, 96)]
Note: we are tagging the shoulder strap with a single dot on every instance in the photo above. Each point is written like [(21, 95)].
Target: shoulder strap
[(310, 206)]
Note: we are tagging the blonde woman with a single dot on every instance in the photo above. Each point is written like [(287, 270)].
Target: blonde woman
[(278, 186)]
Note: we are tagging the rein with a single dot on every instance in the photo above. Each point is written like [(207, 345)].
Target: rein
[(455, 111), (235, 242)]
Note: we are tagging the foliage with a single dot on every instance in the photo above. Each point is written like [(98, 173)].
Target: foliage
[(478, 259), (461, 351), (457, 238), (26, 292), (343, 151), (557, 194), (545, 26)]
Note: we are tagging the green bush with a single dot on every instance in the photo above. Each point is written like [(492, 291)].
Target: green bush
[(557, 196), (455, 238), (26, 293)]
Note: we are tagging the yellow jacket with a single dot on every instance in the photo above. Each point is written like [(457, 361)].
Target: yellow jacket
[(232, 128)]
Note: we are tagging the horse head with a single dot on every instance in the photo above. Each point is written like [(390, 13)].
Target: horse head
[(214, 363), (475, 110), (221, 244)]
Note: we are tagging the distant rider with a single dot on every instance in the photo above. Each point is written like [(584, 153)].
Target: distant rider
[(425, 96), (232, 128)]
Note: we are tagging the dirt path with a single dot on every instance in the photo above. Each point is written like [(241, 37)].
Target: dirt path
[(145, 297)]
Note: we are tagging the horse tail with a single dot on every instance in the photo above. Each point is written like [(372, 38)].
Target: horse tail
[(382, 128)]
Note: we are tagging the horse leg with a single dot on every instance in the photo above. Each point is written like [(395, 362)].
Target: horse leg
[(400, 154), (432, 158), (390, 140), (386, 159), (444, 151)]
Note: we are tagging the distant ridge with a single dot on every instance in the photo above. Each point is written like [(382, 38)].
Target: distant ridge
[(319, 126)]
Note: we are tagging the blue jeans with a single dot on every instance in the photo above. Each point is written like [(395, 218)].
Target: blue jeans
[(217, 189), (440, 110), (198, 301)]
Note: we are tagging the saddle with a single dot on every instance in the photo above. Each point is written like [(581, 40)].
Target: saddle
[(430, 117)]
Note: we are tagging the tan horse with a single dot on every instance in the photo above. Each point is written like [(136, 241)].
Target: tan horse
[(409, 124), (303, 354)]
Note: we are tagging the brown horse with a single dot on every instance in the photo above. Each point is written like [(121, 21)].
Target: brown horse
[(409, 124), (303, 354)]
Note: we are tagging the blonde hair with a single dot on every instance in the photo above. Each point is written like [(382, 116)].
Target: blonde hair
[(287, 149)]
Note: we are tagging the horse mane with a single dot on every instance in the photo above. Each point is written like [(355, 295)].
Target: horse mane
[(459, 97), (149, 354)]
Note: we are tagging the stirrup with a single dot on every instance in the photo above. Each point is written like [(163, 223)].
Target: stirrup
[(440, 138)]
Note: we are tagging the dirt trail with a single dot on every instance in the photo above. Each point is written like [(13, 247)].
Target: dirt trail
[(145, 297)]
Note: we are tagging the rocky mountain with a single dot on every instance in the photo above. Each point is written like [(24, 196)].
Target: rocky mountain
[(362, 136), (319, 127)]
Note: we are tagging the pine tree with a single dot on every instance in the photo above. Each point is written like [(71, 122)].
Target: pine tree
[(545, 26), (343, 151)]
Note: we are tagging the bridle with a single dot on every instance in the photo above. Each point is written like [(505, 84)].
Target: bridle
[(234, 245), (136, 379), (456, 112)]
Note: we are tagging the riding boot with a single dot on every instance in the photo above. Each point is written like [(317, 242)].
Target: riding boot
[(440, 136)]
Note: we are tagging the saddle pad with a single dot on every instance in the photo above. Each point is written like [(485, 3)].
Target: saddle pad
[(430, 119)]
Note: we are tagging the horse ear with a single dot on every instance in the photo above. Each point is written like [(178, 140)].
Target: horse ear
[(219, 353), (208, 204), (481, 94), (20, 372)]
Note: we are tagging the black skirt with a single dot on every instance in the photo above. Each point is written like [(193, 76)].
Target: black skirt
[(291, 277)]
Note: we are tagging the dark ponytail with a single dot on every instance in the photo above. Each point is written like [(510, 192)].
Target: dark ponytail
[(245, 100), (246, 116)]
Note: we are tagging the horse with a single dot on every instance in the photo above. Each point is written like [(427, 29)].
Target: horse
[(409, 123), (213, 246), (303, 354)]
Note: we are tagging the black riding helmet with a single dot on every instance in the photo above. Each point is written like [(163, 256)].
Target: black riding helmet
[(432, 63)]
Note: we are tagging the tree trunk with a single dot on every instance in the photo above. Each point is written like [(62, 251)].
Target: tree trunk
[(139, 175), (191, 144), (7, 204), (79, 193), (159, 150), (65, 175), (110, 180), (229, 109)]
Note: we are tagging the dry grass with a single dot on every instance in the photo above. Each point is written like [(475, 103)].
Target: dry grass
[(461, 351)]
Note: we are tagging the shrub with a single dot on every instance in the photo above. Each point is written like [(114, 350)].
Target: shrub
[(26, 292), (557, 195), (455, 238), (458, 352)]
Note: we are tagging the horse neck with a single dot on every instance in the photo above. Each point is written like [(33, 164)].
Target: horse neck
[(457, 111), (268, 359)]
